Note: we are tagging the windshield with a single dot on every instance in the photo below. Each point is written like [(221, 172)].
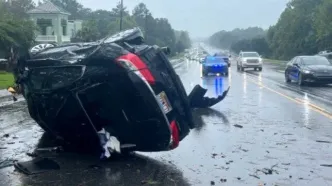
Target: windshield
[(250, 54), (316, 60), (214, 60)]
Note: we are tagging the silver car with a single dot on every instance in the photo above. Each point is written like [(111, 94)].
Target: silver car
[(249, 60)]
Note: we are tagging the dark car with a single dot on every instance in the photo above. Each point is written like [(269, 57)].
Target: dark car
[(224, 57), (215, 65), (119, 85), (315, 69)]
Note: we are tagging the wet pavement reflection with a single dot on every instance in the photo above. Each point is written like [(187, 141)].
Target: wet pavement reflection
[(259, 134)]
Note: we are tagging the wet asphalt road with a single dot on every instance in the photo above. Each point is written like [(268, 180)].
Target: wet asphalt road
[(285, 139)]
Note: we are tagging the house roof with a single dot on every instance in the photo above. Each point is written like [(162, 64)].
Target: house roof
[(48, 7)]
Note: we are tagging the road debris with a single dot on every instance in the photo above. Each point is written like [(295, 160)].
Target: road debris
[(223, 180), (36, 166), (255, 176), (244, 150), (326, 165), (268, 171), (6, 163), (321, 141), (238, 126)]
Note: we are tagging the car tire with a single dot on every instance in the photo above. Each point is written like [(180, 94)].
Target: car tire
[(287, 79), (260, 68), (300, 79)]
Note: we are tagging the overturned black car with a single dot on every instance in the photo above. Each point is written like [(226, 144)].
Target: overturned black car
[(116, 93)]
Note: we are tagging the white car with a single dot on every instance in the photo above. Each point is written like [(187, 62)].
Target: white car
[(249, 60)]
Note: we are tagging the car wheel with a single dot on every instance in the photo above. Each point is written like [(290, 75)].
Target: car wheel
[(226, 74), (287, 79), (300, 79), (260, 68)]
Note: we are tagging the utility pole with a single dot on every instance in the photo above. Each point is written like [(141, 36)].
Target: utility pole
[(121, 15)]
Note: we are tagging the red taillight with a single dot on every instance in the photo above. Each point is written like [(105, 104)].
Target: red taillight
[(140, 66), (175, 135)]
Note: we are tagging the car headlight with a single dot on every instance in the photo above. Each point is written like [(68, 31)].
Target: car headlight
[(306, 71)]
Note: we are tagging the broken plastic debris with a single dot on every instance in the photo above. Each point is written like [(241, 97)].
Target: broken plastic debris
[(109, 143)]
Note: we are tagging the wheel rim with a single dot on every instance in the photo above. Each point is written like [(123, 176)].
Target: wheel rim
[(40, 47)]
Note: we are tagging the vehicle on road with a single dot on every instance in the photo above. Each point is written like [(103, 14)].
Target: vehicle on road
[(224, 56), (249, 60), (114, 90), (215, 65), (328, 55), (315, 69), (324, 52)]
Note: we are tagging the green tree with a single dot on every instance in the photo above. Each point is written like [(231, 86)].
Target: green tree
[(100, 23), (183, 41), (89, 32), (76, 9), (303, 28), (159, 31), (323, 25), (16, 34), (19, 8), (225, 39), (258, 44)]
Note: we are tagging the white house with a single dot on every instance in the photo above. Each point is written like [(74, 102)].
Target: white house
[(53, 23)]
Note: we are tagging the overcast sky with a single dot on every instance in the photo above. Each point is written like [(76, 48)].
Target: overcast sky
[(204, 17)]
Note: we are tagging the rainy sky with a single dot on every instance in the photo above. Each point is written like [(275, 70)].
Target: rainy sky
[(204, 17)]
